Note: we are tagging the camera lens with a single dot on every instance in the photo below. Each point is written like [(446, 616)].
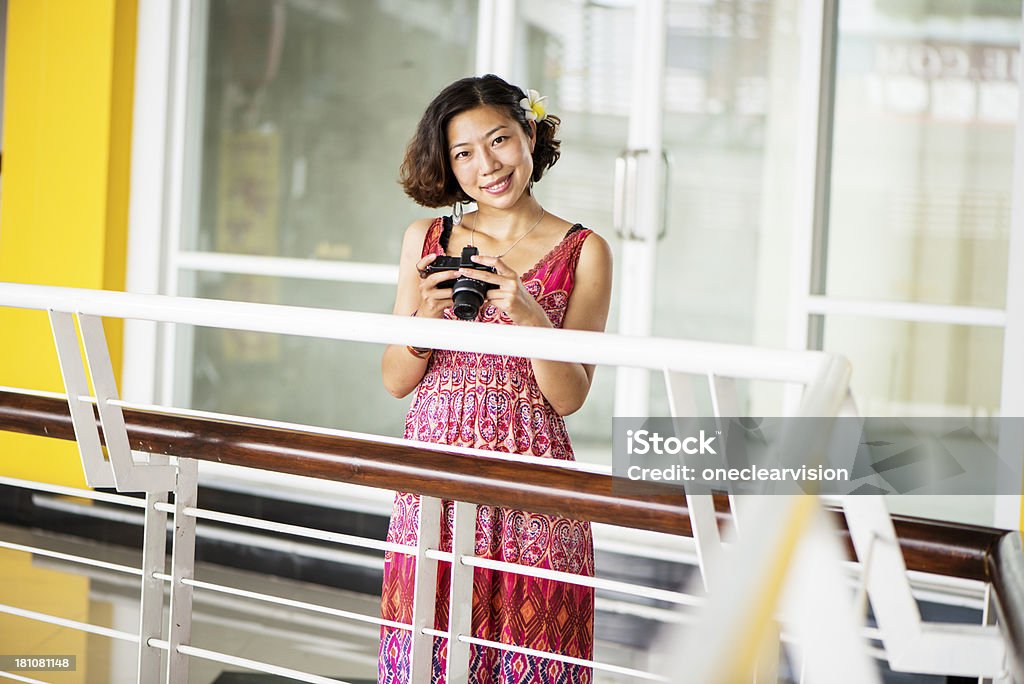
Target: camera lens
[(467, 297)]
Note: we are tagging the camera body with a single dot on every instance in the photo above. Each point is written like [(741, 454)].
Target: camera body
[(468, 294)]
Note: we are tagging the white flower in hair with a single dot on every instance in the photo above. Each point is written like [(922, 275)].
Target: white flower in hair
[(533, 104)]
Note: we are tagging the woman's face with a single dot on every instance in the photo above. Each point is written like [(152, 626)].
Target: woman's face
[(491, 156)]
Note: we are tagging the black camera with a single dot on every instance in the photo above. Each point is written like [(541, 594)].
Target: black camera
[(467, 293)]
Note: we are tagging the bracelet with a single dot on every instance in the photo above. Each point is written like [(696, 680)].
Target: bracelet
[(420, 352)]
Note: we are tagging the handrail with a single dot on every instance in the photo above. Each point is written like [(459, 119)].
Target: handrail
[(579, 346), (536, 487), (941, 548)]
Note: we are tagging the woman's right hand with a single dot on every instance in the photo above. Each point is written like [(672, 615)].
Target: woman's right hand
[(433, 300)]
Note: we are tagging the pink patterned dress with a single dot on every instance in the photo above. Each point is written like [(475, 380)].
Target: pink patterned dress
[(492, 402)]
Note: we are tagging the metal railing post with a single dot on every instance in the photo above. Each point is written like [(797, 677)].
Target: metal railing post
[(421, 657), (182, 568), (989, 618), (460, 608), (154, 552), (98, 472)]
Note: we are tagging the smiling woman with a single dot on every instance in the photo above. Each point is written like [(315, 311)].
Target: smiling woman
[(428, 172), (483, 140)]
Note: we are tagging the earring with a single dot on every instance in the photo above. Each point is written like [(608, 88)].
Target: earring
[(457, 213)]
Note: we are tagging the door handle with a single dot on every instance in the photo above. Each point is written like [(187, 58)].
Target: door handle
[(625, 192), (666, 158), (624, 195), (619, 195)]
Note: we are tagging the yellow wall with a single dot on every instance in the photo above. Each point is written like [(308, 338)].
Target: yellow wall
[(64, 203)]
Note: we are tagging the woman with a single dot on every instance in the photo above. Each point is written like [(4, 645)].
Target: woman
[(485, 141)]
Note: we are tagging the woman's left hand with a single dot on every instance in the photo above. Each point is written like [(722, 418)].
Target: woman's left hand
[(510, 295)]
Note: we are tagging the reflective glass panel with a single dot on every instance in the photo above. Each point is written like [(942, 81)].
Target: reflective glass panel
[(730, 99), (728, 71), (306, 108), (298, 379), (729, 93), (919, 369), (926, 107), (308, 105)]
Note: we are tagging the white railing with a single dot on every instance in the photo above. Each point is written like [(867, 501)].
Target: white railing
[(824, 377)]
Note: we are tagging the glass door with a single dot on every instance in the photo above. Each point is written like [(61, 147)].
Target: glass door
[(732, 76), (676, 150)]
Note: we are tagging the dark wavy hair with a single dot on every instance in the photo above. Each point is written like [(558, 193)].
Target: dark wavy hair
[(426, 174)]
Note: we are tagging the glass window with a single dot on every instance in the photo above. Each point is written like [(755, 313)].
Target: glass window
[(297, 379), (923, 370), (925, 114), (307, 106), (919, 369), (721, 70)]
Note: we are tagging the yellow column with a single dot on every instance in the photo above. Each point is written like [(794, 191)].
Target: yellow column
[(64, 208)]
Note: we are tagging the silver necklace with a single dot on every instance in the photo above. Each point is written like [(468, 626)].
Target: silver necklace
[(472, 235)]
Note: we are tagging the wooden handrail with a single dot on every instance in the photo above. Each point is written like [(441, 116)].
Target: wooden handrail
[(942, 548), (534, 487)]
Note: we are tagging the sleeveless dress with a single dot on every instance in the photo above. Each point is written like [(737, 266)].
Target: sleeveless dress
[(490, 401)]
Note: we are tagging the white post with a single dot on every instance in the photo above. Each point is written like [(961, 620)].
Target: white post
[(495, 37), (127, 476), (154, 33), (425, 592), (701, 507), (644, 195), (812, 173), (185, 86), (182, 568), (98, 473), (151, 609), (1008, 507), (460, 607)]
